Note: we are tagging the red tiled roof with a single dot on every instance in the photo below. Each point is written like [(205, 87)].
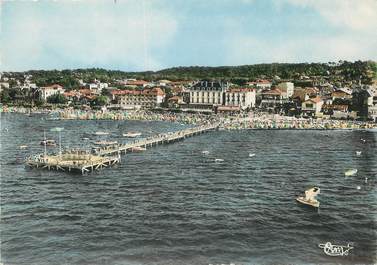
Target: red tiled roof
[(315, 100), (85, 91), (175, 98), (70, 93), (275, 91), (259, 81), (136, 82)]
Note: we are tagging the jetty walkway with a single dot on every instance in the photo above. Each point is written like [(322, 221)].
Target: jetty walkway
[(106, 156), (155, 140)]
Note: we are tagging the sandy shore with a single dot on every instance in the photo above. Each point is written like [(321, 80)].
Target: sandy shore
[(227, 122)]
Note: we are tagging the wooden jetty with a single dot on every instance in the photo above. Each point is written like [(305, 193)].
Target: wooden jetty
[(79, 161), (108, 155), (155, 140)]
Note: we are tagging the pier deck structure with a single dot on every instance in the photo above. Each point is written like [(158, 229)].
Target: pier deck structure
[(155, 140), (105, 156), (73, 161)]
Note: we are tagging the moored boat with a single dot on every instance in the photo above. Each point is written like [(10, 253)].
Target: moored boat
[(131, 134), (48, 142), (101, 133), (309, 198), (350, 172)]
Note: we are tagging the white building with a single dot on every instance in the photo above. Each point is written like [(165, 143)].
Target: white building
[(207, 94), (97, 87), (287, 88), (312, 106), (260, 84), (372, 104), (146, 98), (45, 92), (242, 97)]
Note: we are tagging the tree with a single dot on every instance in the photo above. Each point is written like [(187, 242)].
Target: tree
[(39, 103), (100, 101), (4, 96), (57, 99)]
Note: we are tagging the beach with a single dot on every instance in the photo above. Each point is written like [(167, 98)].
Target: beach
[(251, 120)]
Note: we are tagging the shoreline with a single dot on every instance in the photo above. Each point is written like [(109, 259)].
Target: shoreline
[(251, 121)]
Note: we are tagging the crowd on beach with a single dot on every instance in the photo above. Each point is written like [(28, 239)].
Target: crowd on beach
[(251, 120), (275, 121)]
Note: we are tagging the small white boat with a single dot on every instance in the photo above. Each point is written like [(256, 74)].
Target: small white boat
[(358, 153), (309, 198), (48, 142), (85, 138), (219, 160), (22, 147), (132, 134), (350, 172), (138, 149), (101, 133), (205, 152), (251, 154), (363, 140)]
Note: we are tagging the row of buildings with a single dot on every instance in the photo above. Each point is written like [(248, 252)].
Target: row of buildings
[(282, 97)]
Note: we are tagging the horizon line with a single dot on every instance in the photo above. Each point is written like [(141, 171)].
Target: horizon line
[(180, 66)]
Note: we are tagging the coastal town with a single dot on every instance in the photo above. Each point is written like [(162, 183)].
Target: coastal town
[(301, 102), (154, 132)]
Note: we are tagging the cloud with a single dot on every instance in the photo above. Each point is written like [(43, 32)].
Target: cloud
[(248, 49), (360, 15), (349, 35), (86, 34)]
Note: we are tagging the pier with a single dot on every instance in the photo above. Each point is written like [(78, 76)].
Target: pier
[(153, 141), (79, 161), (106, 156)]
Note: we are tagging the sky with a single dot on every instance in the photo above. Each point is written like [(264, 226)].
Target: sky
[(138, 35)]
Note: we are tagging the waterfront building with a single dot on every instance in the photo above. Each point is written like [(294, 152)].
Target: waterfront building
[(145, 98), (372, 104), (342, 93), (312, 107), (97, 86), (4, 85), (244, 98), (260, 84), (287, 89), (336, 111), (207, 94), (45, 92), (175, 102), (272, 99), (133, 83)]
